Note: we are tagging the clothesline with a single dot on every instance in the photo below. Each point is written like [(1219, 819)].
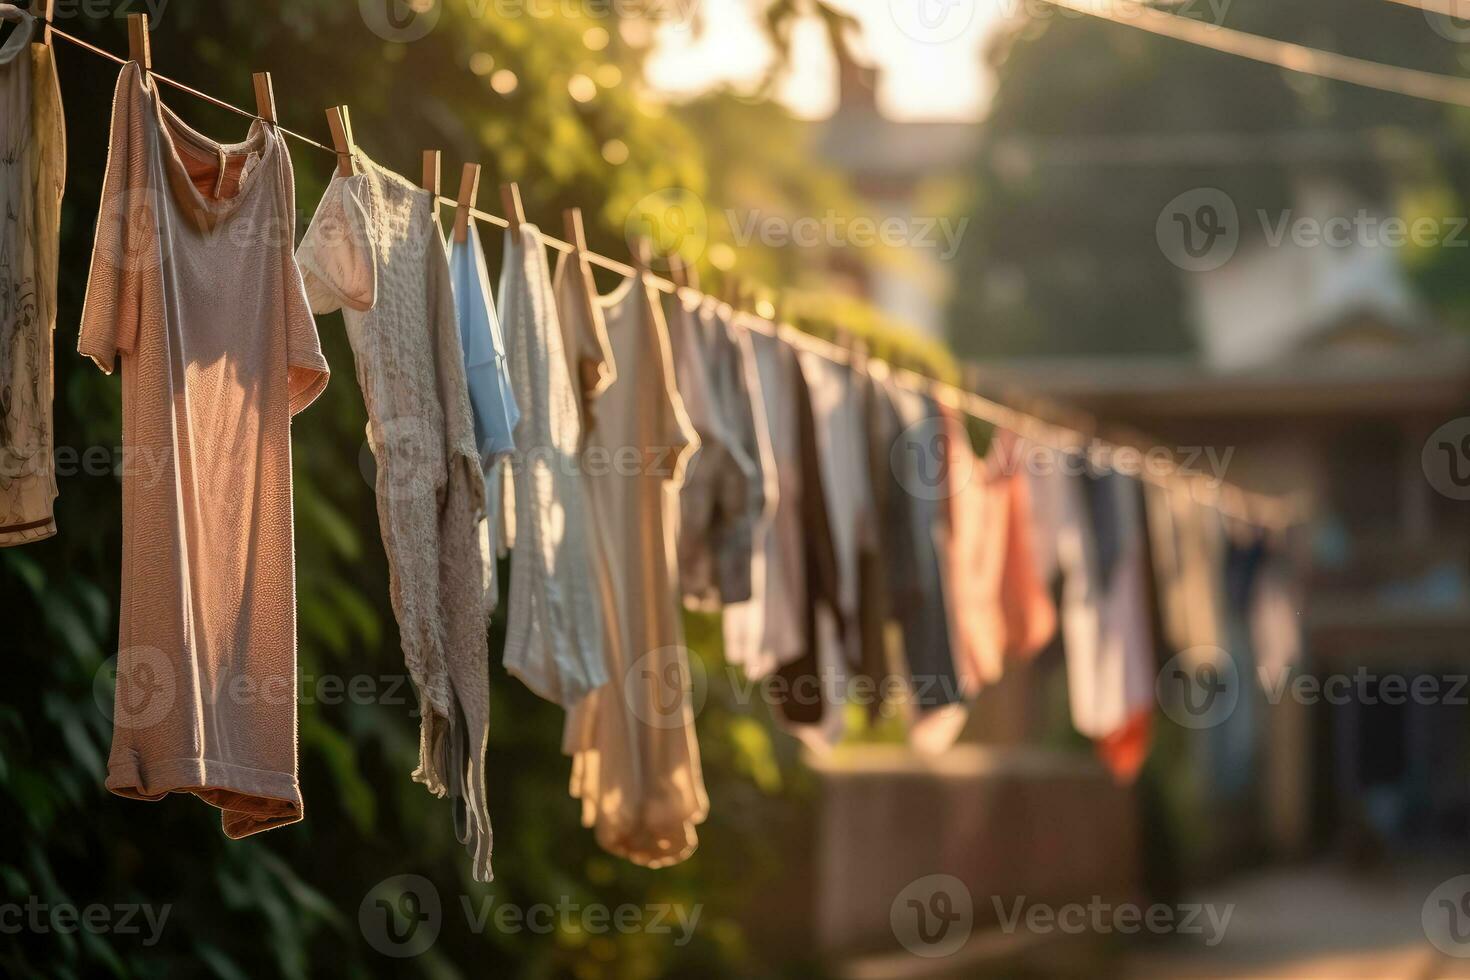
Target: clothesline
[(1395, 79), (1267, 512)]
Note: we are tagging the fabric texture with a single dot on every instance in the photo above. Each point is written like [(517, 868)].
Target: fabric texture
[(374, 250), (908, 428), (636, 764), (1001, 606), (491, 399), (192, 282), (554, 632), (32, 177), (723, 501)]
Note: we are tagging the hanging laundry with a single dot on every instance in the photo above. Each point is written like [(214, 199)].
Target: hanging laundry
[(723, 499), (743, 623), (636, 763), (32, 177), (491, 399), (554, 630), (1001, 606), (907, 425), (1105, 625), (838, 400), (1188, 558), (220, 350), (374, 250), (769, 632), (802, 545)]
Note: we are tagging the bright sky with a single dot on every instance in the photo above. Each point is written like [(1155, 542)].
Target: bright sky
[(927, 52)]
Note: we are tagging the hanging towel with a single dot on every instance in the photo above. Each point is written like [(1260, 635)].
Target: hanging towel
[(636, 765), (220, 351), (374, 250), (554, 632), (32, 177)]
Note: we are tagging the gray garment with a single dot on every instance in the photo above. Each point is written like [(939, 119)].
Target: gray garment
[(374, 250), (915, 533), (770, 631), (554, 633), (723, 498)]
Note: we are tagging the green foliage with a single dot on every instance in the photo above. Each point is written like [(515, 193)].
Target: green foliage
[(286, 902)]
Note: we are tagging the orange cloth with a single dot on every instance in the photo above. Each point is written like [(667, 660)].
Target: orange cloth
[(1125, 750), (1000, 606)]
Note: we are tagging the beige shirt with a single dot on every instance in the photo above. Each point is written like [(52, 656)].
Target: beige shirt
[(193, 283), (375, 251), (32, 175), (636, 764)]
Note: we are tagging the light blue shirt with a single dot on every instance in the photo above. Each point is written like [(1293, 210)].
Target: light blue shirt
[(491, 398)]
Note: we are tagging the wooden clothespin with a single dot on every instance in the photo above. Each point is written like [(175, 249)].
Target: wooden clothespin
[(571, 219), (431, 182), (515, 213), (469, 190), (138, 48), (44, 10), (691, 275), (339, 121), (265, 97)]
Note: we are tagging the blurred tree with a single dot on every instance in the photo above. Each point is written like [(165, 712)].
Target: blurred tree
[(1096, 126)]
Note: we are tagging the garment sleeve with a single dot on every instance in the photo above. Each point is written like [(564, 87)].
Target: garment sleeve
[(338, 264), (306, 367), (126, 252)]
